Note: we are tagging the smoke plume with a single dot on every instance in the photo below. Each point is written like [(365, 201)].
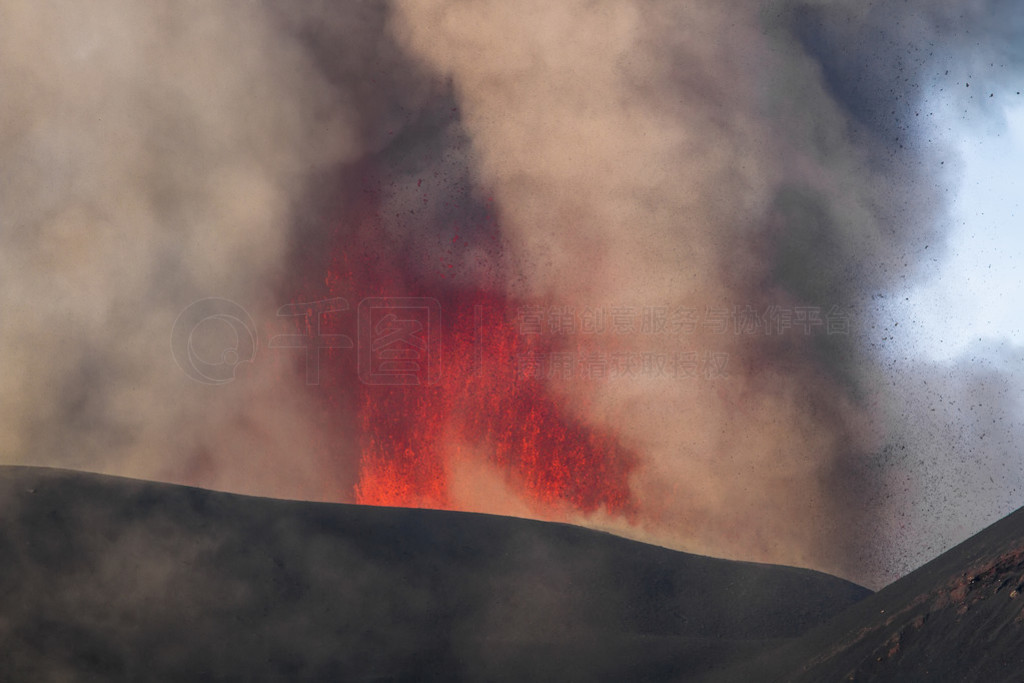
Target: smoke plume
[(749, 178), (151, 157)]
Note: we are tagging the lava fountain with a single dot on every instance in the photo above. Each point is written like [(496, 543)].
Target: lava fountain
[(467, 385)]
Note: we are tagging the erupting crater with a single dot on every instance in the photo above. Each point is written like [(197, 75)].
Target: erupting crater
[(464, 387)]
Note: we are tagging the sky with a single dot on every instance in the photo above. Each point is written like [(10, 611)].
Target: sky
[(975, 294)]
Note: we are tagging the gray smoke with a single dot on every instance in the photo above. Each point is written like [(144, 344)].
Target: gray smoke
[(151, 157), (748, 154), (637, 154)]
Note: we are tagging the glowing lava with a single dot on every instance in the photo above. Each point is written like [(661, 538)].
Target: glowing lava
[(486, 401)]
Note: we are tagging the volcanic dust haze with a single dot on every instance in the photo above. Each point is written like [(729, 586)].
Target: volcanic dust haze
[(631, 181)]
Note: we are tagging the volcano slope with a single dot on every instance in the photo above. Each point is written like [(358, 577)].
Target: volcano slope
[(103, 578), (958, 618)]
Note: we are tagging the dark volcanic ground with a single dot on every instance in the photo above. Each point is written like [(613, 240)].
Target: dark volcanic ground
[(105, 579), (958, 618)]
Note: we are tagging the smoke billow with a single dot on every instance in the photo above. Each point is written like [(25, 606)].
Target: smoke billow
[(716, 160), (946, 466), (746, 155), (151, 157), (637, 158)]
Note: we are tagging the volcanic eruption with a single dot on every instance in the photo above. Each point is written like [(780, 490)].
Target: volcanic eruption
[(631, 256), (293, 271), (461, 384)]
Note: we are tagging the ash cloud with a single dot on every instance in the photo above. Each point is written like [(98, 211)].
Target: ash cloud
[(151, 157), (629, 154), (950, 466), (704, 155), (947, 464), (634, 160)]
